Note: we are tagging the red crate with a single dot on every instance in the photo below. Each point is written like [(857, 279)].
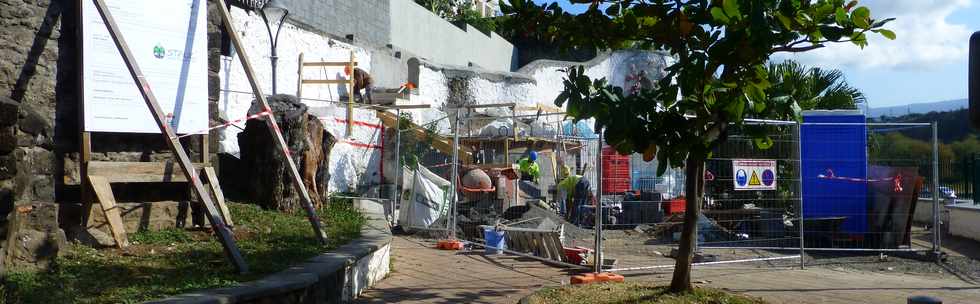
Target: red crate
[(615, 171)]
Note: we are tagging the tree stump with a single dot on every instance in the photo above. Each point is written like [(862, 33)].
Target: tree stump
[(266, 175)]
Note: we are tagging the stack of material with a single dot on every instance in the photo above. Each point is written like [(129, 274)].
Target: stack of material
[(538, 242)]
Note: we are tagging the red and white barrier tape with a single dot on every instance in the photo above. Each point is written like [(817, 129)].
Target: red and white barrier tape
[(254, 116), (897, 179)]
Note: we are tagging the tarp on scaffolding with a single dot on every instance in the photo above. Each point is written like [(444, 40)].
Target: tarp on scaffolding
[(426, 201)]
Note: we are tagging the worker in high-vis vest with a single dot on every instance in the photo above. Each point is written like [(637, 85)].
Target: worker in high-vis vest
[(529, 168)]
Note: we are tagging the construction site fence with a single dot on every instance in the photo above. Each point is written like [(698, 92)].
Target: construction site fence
[(811, 186)]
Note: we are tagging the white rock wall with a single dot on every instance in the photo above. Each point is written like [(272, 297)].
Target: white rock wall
[(354, 160)]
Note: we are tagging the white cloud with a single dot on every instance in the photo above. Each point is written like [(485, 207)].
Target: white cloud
[(925, 38)]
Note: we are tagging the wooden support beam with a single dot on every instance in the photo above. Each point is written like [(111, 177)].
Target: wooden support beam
[(103, 193), (219, 196)]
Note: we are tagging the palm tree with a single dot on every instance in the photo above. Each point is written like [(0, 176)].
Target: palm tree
[(813, 88)]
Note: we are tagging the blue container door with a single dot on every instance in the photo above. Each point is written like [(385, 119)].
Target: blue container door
[(842, 149)]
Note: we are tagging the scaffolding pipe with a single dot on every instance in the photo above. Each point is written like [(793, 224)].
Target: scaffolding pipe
[(598, 206), (455, 176), (705, 263), (936, 222)]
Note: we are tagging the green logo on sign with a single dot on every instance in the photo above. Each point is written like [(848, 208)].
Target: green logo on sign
[(159, 51)]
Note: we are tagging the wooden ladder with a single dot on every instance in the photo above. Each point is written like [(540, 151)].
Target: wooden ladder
[(348, 66)]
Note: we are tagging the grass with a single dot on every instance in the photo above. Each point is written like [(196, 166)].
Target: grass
[(174, 261), (633, 292)]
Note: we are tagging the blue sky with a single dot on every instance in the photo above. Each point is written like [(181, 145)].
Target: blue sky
[(928, 61)]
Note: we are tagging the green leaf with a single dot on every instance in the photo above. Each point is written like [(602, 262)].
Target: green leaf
[(785, 21), (719, 15), (759, 107), (887, 33), (763, 143), (859, 39), (861, 17), (841, 16), (755, 93), (731, 9)]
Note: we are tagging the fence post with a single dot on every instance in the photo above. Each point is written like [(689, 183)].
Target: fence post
[(398, 165), (799, 154), (455, 176), (936, 222), (598, 205)]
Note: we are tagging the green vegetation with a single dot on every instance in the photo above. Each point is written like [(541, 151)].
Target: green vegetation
[(459, 12), (813, 88), (641, 293), (174, 261)]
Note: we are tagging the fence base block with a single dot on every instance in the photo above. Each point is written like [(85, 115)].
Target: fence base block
[(596, 278), (449, 245)]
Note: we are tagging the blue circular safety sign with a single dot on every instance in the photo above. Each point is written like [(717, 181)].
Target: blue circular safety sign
[(768, 177), (741, 178)]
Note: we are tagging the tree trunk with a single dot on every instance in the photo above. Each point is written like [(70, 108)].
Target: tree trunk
[(267, 178), (694, 188)]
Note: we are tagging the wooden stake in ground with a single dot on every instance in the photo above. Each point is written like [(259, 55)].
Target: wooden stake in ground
[(271, 121), (224, 234)]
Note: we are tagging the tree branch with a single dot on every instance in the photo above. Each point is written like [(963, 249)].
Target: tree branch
[(797, 49)]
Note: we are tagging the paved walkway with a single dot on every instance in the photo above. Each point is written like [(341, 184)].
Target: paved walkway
[(425, 275)]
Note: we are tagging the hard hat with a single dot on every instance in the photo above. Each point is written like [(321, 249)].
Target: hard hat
[(533, 156)]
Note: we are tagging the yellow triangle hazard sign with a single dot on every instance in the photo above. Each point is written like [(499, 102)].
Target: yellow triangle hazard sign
[(754, 181)]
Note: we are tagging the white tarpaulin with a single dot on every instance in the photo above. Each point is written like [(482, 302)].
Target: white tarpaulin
[(754, 174), (425, 199)]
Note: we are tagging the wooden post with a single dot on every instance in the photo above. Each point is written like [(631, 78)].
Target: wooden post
[(271, 121), (350, 97), (227, 239)]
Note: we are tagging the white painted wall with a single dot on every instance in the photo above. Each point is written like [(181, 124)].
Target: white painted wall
[(964, 221), (350, 163), (418, 31)]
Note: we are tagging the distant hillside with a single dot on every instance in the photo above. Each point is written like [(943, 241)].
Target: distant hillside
[(919, 108), (953, 125)]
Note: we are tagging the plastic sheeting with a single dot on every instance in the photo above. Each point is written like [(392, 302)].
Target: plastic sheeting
[(426, 201)]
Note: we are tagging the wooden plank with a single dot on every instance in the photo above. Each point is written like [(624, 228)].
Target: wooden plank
[(224, 234), (350, 99), (328, 63), (218, 195), (441, 143), (325, 81), (139, 172), (103, 193)]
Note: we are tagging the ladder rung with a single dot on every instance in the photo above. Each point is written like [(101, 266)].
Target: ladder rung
[(321, 64), (326, 81)]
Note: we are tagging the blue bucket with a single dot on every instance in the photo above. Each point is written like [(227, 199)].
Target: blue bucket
[(494, 238)]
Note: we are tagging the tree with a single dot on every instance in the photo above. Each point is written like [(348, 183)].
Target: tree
[(718, 78), (813, 88)]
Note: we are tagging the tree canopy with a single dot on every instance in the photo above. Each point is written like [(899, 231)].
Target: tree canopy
[(813, 88)]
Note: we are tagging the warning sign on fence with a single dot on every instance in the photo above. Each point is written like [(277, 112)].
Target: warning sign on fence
[(754, 174)]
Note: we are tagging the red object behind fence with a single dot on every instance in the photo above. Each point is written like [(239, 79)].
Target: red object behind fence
[(615, 171), (677, 205)]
